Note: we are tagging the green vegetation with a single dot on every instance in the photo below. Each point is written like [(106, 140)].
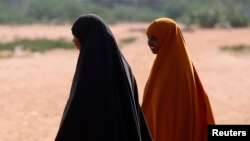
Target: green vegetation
[(204, 13), (40, 45), (241, 48), (128, 40)]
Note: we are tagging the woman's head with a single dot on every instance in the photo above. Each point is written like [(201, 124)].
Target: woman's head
[(160, 31), (83, 27)]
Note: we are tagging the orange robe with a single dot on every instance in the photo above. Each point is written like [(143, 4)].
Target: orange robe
[(175, 104)]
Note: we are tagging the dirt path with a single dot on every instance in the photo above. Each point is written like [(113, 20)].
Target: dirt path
[(35, 87)]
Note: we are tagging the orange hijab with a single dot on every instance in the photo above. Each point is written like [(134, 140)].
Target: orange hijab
[(175, 105)]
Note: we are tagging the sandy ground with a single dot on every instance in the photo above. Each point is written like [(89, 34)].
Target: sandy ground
[(34, 87)]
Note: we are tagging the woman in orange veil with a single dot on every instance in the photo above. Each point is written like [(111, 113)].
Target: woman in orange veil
[(175, 104)]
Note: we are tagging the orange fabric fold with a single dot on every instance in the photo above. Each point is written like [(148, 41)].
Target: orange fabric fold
[(175, 104)]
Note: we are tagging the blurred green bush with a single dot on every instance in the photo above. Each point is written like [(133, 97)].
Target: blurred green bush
[(204, 13)]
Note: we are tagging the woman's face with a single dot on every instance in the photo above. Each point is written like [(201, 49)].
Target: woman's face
[(152, 43), (77, 43)]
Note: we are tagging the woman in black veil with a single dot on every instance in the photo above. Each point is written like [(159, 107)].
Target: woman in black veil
[(103, 103)]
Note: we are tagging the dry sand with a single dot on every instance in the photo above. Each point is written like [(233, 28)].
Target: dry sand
[(34, 87)]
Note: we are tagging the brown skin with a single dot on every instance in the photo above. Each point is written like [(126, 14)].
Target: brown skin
[(77, 43), (152, 43)]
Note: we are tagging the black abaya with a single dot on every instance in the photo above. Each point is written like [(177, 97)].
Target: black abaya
[(103, 103)]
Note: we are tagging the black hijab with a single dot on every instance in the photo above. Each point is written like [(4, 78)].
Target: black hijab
[(103, 103)]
